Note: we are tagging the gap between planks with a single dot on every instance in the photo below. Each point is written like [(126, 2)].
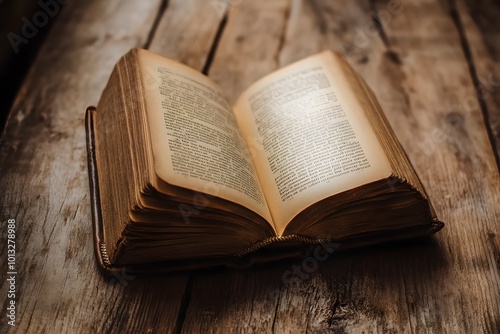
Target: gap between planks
[(455, 16)]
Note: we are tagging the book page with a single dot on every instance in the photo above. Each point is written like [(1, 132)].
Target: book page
[(308, 136), (196, 142)]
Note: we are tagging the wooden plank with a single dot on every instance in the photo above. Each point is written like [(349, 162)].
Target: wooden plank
[(415, 64), (125, 302), (178, 38), (419, 74), (43, 177), (416, 286), (249, 44), (480, 26), (410, 54), (240, 301)]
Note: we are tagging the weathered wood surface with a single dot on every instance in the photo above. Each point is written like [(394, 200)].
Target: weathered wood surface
[(479, 22), (426, 61), (45, 187)]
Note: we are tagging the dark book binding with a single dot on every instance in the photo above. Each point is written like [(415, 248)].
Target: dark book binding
[(267, 250)]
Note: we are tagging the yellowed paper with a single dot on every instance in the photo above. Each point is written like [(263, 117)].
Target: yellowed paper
[(195, 138), (308, 136)]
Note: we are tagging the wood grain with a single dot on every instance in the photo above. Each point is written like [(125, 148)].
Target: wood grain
[(45, 188), (177, 36), (413, 59), (249, 44), (413, 55), (479, 25)]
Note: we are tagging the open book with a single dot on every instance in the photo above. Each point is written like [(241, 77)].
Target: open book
[(182, 179)]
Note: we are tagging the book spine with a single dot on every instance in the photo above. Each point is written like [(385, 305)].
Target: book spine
[(274, 240)]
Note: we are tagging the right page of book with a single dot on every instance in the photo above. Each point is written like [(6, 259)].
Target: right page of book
[(308, 136)]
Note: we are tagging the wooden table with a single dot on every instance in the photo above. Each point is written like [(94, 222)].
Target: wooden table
[(435, 67)]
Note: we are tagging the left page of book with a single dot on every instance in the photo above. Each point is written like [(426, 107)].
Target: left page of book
[(195, 138)]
